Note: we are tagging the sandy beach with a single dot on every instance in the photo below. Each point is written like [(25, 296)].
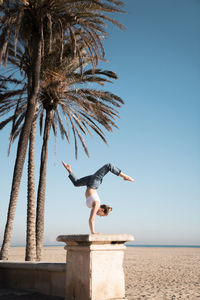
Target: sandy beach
[(151, 273)]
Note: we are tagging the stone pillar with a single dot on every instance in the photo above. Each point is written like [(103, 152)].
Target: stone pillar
[(95, 266)]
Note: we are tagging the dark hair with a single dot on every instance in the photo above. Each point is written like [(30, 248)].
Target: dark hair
[(106, 209)]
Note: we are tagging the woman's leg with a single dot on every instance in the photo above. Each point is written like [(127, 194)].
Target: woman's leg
[(115, 170), (77, 182), (97, 177), (105, 169)]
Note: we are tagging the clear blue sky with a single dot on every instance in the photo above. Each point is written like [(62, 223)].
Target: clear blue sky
[(157, 60)]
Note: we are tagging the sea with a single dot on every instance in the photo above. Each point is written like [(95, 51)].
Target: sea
[(164, 246), (128, 245)]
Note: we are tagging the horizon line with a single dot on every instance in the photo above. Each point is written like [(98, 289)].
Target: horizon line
[(128, 244)]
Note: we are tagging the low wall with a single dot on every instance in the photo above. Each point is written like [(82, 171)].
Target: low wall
[(94, 269), (46, 278)]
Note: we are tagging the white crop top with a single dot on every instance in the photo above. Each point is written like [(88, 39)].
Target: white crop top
[(90, 200)]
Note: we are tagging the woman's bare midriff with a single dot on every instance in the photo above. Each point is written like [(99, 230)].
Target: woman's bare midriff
[(89, 192)]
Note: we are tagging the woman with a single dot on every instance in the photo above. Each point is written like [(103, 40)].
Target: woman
[(92, 182)]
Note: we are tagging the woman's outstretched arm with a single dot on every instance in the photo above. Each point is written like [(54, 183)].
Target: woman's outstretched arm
[(92, 216)]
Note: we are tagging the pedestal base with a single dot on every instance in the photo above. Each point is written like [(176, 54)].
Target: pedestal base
[(95, 266)]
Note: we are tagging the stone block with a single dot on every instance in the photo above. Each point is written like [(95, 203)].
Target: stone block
[(95, 266)]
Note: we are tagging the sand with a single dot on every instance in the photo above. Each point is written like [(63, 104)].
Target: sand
[(151, 273)]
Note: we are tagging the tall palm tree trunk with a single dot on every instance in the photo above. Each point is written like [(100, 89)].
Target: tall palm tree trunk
[(42, 186), (30, 228), (22, 146)]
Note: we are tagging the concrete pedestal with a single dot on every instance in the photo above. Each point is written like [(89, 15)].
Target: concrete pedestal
[(95, 266)]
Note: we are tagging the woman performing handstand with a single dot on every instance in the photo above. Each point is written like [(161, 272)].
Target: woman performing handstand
[(92, 183)]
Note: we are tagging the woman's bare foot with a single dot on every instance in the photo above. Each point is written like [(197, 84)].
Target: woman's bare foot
[(68, 167), (126, 177), (129, 178)]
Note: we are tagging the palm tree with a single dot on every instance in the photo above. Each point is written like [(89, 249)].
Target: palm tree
[(63, 98), (18, 98), (31, 207), (69, 68), (8, 22), (38, 23)]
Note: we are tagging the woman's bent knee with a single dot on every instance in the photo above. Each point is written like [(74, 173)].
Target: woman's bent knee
[(109, 166)]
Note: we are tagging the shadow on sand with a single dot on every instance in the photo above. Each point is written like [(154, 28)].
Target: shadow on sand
[(13, 294)]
